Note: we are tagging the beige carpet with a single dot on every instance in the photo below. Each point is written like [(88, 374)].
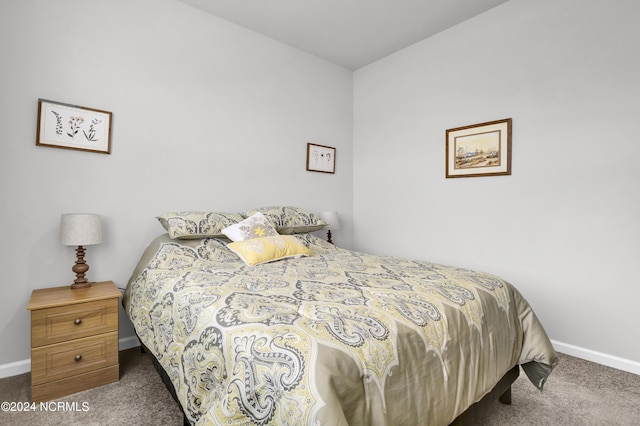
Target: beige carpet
[(139, 398), (577, 393)]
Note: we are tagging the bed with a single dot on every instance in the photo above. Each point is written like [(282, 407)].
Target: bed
[(320, 335)]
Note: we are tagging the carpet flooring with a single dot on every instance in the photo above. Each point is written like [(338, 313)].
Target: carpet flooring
[(577, 393)]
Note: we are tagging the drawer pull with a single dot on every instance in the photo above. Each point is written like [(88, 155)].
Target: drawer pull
[(78, 357), (78, 321)]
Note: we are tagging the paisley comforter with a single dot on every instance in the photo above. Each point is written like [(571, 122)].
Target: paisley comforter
[(339, 337)]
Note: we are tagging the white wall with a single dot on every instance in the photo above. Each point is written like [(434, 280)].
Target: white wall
[(206, 115), (565, 226), (210, 116)]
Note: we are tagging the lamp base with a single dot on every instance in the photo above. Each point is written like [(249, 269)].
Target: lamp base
[(76, 285), (80, 268)]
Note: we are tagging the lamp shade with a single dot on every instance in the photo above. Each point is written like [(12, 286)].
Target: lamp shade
[(80, 229), (331, 219)]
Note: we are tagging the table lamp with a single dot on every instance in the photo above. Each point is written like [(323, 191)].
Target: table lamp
[(332, 221), (80, 229)]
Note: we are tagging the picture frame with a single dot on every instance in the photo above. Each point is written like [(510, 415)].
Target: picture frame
[(75, 127), (482, 149), (321, 158)]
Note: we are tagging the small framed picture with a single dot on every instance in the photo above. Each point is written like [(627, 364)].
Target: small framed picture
[(321, 158), (73, 127), (479, 150)]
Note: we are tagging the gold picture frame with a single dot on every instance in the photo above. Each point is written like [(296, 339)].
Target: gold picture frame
[(479, 150), (68, 126)]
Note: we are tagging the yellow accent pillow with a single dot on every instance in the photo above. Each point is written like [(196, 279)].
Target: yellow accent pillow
[(268, 249)]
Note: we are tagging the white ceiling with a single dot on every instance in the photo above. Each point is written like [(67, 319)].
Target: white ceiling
[(351, 33)]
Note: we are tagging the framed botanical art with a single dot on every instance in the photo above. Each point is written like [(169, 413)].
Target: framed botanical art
[(73, 127), (321, 158), (479, 150)]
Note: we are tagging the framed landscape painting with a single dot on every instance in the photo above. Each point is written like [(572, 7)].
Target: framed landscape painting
[(479, 150)]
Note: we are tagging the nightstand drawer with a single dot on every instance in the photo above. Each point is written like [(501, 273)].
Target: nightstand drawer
[(73, 384), (67, 359), (62, 323)]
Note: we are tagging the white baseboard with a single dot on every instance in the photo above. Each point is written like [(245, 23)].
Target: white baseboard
[(24, 366), (598, 357), (15, 368)]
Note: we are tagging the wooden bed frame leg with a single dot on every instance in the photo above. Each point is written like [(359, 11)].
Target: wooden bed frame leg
[(505, 398)]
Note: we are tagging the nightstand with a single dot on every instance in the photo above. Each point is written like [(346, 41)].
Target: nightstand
[(74, 339)]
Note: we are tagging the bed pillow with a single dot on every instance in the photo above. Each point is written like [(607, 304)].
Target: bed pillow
[(257, 251), (255, 226), (290, 220), (192, 224)]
